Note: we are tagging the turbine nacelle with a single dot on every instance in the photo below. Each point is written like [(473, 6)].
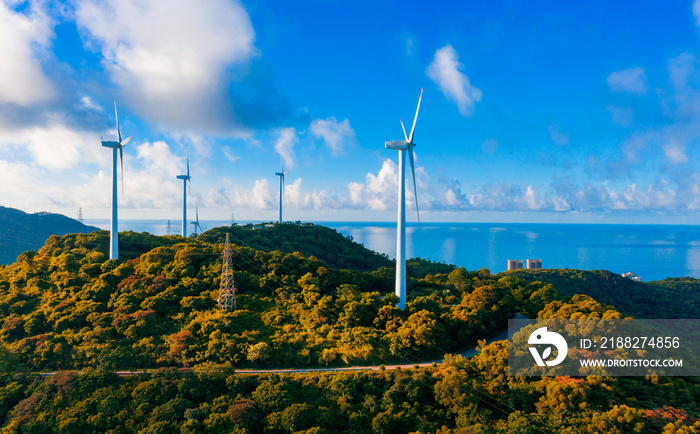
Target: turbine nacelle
[(399, 145)]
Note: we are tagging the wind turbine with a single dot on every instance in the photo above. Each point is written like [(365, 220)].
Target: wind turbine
[(114, 230), (185, 182), (281, 175), (196, 222), (402, 146)]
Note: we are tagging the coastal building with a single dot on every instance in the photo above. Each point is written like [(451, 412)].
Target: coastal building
[(515, 264), (534, 264), (632, 276)]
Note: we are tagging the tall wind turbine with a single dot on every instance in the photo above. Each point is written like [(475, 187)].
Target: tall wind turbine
[(185, 182), (281, 175), (402, 146), (196, 221), (114, 229)]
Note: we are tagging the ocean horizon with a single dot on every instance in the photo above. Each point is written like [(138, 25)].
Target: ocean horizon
[(653, 252)]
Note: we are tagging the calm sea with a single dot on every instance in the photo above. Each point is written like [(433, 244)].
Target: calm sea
[(653, 252)]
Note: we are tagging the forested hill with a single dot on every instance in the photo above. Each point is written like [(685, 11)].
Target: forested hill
[(326, 244), (669, 298), (20, 231)]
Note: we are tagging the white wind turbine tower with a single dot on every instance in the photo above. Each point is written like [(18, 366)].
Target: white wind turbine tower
[(196, 221), (402, 146), (185, 182), (281, 175), (114, 227)]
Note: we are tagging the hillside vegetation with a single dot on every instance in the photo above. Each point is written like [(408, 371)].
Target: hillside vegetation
[(20, 231), (668, 298)]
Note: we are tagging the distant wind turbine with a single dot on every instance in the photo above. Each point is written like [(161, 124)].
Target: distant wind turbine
[(281, 175), (196, 221), (185, 182), (114, 227), (402, 146)]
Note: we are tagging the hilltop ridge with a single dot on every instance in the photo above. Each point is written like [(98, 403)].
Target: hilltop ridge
[(21, 231)]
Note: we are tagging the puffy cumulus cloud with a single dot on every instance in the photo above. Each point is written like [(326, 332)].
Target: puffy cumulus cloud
[(379, 193), (631, 80), (261, 196), (171, 57), (334, 134), (284, 146), (264, 196), (654, 197), (55, 146), (296, 198), (445, 72), (22, 80), (508, 197), (157, 158), (380, 188)]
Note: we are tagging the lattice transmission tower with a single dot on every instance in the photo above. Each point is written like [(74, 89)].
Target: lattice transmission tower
[(227, 292)]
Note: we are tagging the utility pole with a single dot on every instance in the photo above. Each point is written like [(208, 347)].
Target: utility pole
[(227, 292)]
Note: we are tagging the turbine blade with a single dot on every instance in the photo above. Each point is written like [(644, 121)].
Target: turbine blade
[(404, 130), (116, 116), (413, 128), (188, 164), (189, 183), (285, 173), (126, 141), (121, 160), (413, 175)]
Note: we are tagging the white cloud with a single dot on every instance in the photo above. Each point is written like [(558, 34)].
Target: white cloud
[(696, 12), (55, 146), (605, 198), (170, 57), (675, 152), (17, 180), (284, 146), (631, 80), (335, 134), (260, 196), (88, 104), (445, 72), (379, 188), (157, 158), (228, 153), (296, 198), (22, 80)]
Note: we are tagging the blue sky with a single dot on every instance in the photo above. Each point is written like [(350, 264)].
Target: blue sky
[(532, 111)]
